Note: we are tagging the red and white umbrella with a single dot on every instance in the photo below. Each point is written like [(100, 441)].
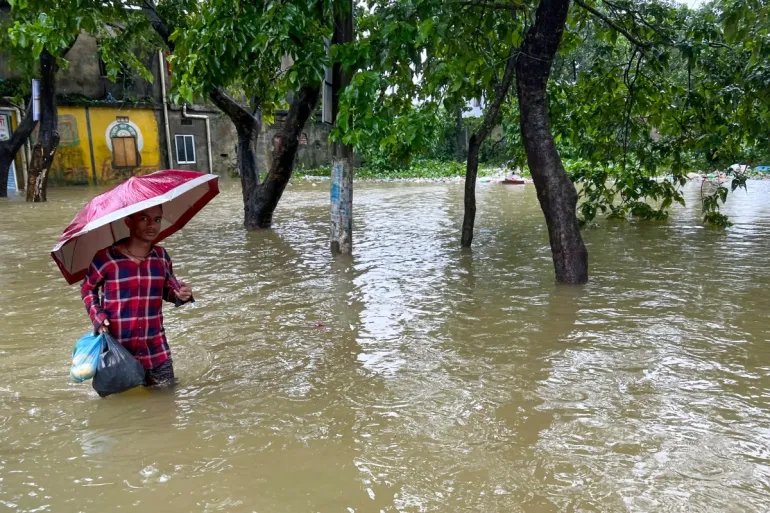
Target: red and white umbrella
[(100, 223)]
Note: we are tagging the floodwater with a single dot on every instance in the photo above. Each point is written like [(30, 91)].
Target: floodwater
[(412, 377)]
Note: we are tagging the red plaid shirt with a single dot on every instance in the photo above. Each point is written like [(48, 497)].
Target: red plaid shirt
[(132, 298)]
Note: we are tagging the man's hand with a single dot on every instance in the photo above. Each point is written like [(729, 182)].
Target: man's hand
[(185, 292), (105, 327)]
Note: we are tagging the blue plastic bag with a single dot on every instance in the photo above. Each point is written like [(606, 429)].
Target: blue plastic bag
[(85, 357)]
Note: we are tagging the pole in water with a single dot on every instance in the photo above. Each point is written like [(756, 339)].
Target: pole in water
[(342, 205), (342, 168)]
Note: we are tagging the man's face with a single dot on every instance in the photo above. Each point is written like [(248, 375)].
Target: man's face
[(145, 225)]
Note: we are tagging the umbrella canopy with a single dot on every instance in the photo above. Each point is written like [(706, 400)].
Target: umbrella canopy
[(100, 223)]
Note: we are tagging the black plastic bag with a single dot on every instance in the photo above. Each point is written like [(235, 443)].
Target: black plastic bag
[(117, 370)]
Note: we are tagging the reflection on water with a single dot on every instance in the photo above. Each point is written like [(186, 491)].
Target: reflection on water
[(413, 376)]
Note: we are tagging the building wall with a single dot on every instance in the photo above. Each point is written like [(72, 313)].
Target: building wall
[(314, 150), (104, 123), (84, 77), (74, 162)]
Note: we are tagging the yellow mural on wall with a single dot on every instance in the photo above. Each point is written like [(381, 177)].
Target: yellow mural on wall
[(72, 162), (107, 123), (73, 165)]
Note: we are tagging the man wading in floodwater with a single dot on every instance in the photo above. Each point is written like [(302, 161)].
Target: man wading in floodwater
[(136, 276)]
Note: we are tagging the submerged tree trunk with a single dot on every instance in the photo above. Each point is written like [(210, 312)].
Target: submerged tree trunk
[(48, 135), (285, 146), (476, 139), (261, 199), (471, 171), (555, 191), (247, 126), (9, 148)]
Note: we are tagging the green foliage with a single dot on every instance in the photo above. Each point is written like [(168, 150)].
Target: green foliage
[(621, 194), (713, 192), (243, 46), (414, 61), (687, 97), (37, 25), (428, 169), (11, 88)]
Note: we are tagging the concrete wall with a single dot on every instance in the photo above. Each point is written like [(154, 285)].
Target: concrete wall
[(83, 76), (104, 125), (315, 153)]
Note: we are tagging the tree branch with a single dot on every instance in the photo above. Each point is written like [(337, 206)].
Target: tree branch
[(492, 5), (239, 114), (612, 24), (66, 50), (501, 91), (158, 23), (22, 132)]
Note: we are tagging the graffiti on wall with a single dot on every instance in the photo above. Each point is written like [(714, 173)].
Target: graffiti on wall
[(119, 147), (68, 131), (70, 164)]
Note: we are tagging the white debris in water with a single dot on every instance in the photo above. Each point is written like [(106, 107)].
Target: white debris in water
[(164, 478), (148, 471)]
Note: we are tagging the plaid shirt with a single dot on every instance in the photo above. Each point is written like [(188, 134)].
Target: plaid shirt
[(132, 297)]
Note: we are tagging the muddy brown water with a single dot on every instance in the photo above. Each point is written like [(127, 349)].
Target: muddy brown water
[(440, 380)]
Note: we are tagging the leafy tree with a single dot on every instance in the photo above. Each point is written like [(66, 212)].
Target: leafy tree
[(44, 32), (236, 54), (653, 90), (432, 53)]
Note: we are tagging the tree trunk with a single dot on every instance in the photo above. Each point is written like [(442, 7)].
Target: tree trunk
[(285, 146), (476, 139), (48, 135), (555, 191), (248, 126), (459, 134), (9, 148), (471, 170), (341, 190)]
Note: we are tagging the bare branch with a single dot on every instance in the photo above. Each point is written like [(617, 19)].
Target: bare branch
[(612, 24)]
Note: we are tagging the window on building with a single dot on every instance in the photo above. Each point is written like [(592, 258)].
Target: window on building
[(124, 154), (185, 149), (186, 122)]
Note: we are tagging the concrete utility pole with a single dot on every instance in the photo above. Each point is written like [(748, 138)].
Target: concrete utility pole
[(342, 165)]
